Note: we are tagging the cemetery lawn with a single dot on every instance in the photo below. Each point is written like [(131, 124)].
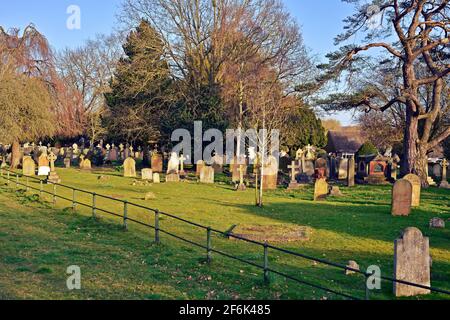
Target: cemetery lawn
[(39, 241)]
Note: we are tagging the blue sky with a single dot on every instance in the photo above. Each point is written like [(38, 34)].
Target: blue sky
[(320, 20)]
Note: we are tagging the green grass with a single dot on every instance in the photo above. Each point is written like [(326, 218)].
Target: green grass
[(39, 242)]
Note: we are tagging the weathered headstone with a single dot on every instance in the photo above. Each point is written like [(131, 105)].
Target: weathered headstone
[(270, 173), (67, 163), (85, 164), (437, 223), (129, 168), (207, 175), (199, 166), (157, 163), (320, 190), (217, 163), (172, 177), (401, 198), (174, 163), (343, 169), (43, 160), (411, 263), (156, 178), (293, 183), (351, 172), (147, 174), (28, 166), (444, 183), (416, 188)]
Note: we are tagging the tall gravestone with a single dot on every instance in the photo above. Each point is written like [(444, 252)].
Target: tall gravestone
[(199, 166), (343, 167), (416, 188), (270, 173), (157, 163), (129, 168), (351, 172), (401, 198), (28, 166), (412, 263), (444, 183)]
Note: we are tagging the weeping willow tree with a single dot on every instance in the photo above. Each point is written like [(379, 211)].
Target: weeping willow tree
[(32, 96)]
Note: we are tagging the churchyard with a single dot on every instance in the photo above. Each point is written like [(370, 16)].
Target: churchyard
[(357, 224)]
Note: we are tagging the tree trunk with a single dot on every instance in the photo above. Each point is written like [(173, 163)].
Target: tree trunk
[(146, 158), (15, 155), (415, 158)]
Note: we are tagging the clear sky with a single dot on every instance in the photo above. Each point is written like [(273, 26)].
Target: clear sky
[(320, 20)]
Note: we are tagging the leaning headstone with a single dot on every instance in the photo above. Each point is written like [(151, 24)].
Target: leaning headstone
[(156, 178), (411, 263), (28, 166), (401, 198), (416, 188), (129, 168), (207, 175), (147, 174), (320, 190)]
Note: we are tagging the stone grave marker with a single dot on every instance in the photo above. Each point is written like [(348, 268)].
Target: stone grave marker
[(43, 161), (351, 172), (157, 163), (129, 168), (293, 183), (320, 189), (172, 177), (270, 173), (412, 263), (28, 166), (156, 178), (207, 175), (67, 162), (444, 183), (199, 166), (416, 188), (343, 169), (147, 174), (174, 163), (401, 198)]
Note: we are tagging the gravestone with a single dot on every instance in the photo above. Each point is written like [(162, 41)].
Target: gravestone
[(174, 163), (217, 163), (343, 168), (157, 163), (308, 167), (401, 198), (156, 178), (147, 174), (199, 166), (270, 173), (173, 177), (207, 175), (113, 154), (444, 183), (67, 163), (182, 159), (411, 263), (53, 176), (416, 188), (28, 166), (43, 161), (437, 223), (320, 168), (129, 168), (85, 164), (293, 183), (351, 172), (320, 190), (234, 168)]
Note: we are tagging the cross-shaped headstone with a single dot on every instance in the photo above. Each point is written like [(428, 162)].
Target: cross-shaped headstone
[(293, 168), (52, 158), (131, 149), (108, 147)]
